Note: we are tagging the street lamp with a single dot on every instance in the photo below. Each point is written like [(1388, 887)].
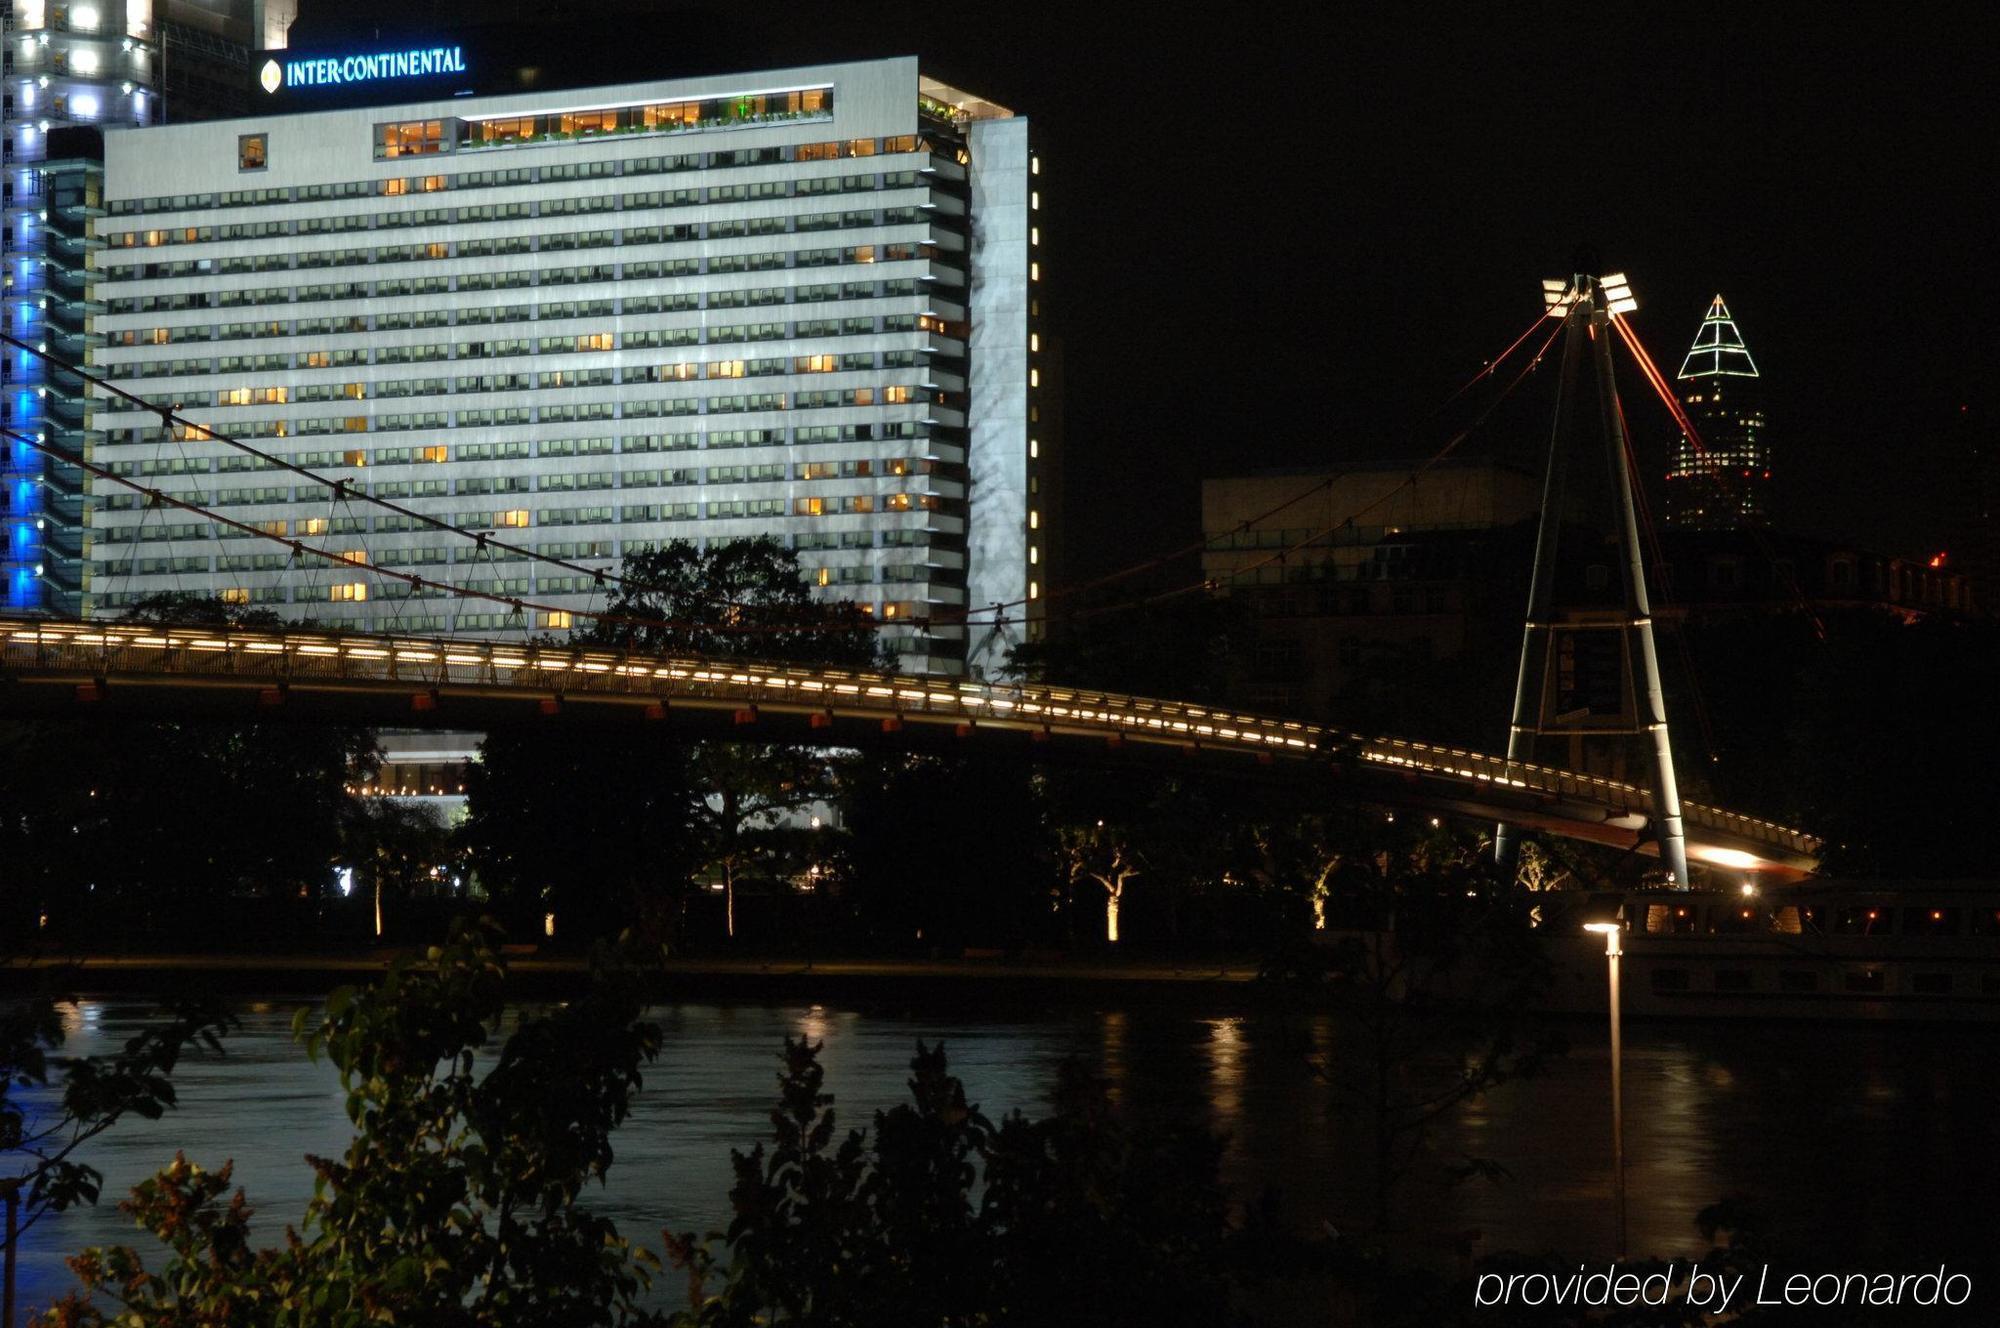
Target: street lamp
[(1611, 931)]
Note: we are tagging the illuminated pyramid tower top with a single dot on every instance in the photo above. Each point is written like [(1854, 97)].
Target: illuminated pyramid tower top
[(1718, 347)]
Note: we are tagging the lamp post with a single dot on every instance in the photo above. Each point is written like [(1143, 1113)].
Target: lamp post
[(1611, 931)]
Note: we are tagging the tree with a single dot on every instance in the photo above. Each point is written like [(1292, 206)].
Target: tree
[(901, 887), (1104, 856), (458, 1200), (121, 822), (394, 847), (746, 600), (1434, 967), (1081, 1219), (596, 830), (39, 1147)]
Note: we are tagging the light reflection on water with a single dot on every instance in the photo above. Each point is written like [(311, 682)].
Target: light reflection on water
[(1859, 1143)]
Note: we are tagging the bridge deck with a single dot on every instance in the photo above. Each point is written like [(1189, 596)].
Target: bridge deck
[(1454, 780)]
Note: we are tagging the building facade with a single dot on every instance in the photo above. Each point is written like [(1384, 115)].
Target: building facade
[(797, 303), (1722, 481), (72, 67), (1332, 598)]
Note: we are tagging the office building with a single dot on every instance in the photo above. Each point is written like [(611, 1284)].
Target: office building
[(1333, 598), (1723, 480), (798, 303), (69, 70)]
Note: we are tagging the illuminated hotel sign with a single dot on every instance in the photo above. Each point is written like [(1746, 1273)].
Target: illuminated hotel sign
[(334, 71)]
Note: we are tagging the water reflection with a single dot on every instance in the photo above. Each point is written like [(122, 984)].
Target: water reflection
[(1857, 1142)]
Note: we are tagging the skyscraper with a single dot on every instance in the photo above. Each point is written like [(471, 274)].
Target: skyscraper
[(81, 66), (1721, 479)]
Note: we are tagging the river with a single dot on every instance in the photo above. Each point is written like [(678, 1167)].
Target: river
[(1865, 1146)]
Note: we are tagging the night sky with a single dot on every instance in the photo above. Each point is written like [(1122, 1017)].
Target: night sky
[(1279, 237)]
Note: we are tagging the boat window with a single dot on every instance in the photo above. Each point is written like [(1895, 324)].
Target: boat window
[(1931, 984), (1930, 922), (1800, 981), (1664, 918), (1986, 922), (1735, 919), (1865, 921), (1732, 979), (1670, 979), (1867, 979)]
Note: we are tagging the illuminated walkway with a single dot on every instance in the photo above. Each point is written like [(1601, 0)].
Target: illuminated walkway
[(413, 679)]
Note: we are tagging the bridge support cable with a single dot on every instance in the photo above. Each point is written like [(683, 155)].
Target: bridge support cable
[(181, 429), (1577, 677)]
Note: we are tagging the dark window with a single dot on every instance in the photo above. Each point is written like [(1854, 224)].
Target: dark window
[(1670, 979), (1799, 981), (1986, 922), (1931, 984), (1863, 921), (1930, 922), (1732, 979), (1868, 979), (1735, 919)]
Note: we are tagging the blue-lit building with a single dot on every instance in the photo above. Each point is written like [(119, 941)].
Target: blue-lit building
[(66, 67)]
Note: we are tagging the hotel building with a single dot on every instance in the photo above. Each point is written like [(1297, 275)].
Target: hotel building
[(799, 303)]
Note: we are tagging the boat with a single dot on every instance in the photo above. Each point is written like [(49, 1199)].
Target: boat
[(1820, 949)]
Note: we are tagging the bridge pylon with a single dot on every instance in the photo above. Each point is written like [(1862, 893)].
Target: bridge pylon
[(1589, 675)]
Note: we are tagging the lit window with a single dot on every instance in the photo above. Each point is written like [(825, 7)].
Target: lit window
[(1034, 554), (250, 152), (1034, 590), (235, 595), (810, 507), (359, 557), (558, 618), (313, 525), (895, 396), (726, 369), (270, 527), (354, 457), (594, 341), (436, 453), (1034, 519), (348, 592), (514, 517)]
